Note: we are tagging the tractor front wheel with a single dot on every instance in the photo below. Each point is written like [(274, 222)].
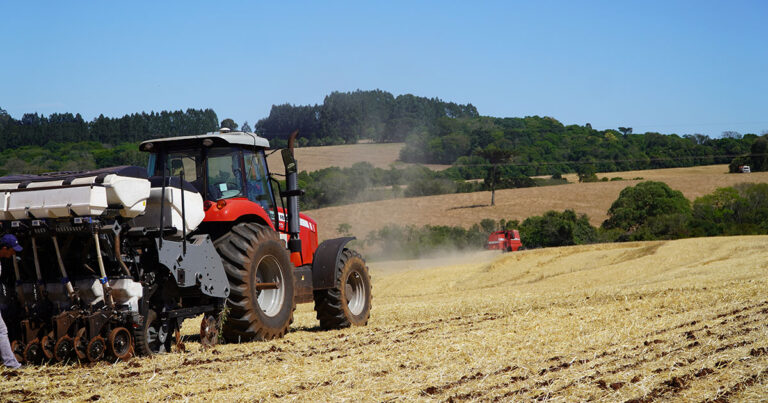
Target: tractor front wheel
[(349, 302), (261, 282)]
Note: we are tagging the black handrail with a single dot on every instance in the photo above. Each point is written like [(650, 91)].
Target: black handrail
[(162, 199), (183, 214)]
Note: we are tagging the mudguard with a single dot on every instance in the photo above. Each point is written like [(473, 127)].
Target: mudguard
[(326, 256)]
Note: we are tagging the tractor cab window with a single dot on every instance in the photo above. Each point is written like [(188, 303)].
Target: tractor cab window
[(186, 162), (176, 162), (257, 180), (225, 174)]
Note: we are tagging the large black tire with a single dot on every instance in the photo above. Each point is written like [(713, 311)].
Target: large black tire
[(349, 302), (253, 254)]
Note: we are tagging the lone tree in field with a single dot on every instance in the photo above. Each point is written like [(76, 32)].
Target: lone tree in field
[(587, 173), (496, 156)]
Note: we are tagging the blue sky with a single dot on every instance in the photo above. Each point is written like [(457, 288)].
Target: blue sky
[(668, 66)]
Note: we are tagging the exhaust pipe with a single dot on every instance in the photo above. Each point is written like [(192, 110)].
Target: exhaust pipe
[(292, 192)]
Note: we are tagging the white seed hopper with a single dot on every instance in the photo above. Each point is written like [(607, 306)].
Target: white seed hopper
[(90, 193), (66, 194), (172, 208)]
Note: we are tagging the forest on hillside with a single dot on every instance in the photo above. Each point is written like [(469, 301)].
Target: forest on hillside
[(536, 145), (435, 131), (66, 142), (345, 118), (38, 130)]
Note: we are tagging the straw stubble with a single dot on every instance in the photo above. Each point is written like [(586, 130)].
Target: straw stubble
[(677, 320)]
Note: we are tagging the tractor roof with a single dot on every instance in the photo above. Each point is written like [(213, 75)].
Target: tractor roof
[(221, 138)]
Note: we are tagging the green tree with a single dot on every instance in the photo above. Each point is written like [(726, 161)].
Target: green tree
[(638, 204), (229, 123), (626, 131), (586, 173), (496, 156), (488, 225), (715, 212), (759, 155), (739, 210), (557, 229)]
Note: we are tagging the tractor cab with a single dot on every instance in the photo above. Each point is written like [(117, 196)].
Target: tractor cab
[(229, 170)]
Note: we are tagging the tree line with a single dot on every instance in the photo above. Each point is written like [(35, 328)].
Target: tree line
[(39, 130), (544, 146), (346, 117), (498, 150)]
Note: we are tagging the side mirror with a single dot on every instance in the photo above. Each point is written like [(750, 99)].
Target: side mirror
[(289, 161)]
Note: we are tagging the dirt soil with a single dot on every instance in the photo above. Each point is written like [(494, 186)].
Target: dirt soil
[(465, 209), (682, 320)]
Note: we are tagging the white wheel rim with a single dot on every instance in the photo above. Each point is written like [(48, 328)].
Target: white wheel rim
[(270, 300), (354, 291)]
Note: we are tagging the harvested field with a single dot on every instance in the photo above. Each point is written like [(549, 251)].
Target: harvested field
[(465, 209), (679, 320), (344, 156)]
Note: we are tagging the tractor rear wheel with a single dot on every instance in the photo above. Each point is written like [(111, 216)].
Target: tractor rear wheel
[(349, 302), (261, 283)]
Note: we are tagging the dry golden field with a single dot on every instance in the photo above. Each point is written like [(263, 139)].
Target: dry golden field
[(314, 158), (682, 320), (465, 209)]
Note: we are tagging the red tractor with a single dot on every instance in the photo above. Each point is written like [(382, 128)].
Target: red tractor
[(112, 261), (504, 240), (269, 250)]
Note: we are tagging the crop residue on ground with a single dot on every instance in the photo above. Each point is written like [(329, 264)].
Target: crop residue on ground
[(679, 320)]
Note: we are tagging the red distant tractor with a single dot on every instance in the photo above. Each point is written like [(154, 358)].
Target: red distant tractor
[(504, 240)]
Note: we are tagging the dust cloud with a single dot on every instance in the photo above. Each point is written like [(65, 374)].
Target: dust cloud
[(438, 258)]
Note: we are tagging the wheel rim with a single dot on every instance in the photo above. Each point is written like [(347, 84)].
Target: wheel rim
[(120, 343), (157, 335), (96, 349), (354, 291), (270, 300), (33, 353), (64, 348)]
